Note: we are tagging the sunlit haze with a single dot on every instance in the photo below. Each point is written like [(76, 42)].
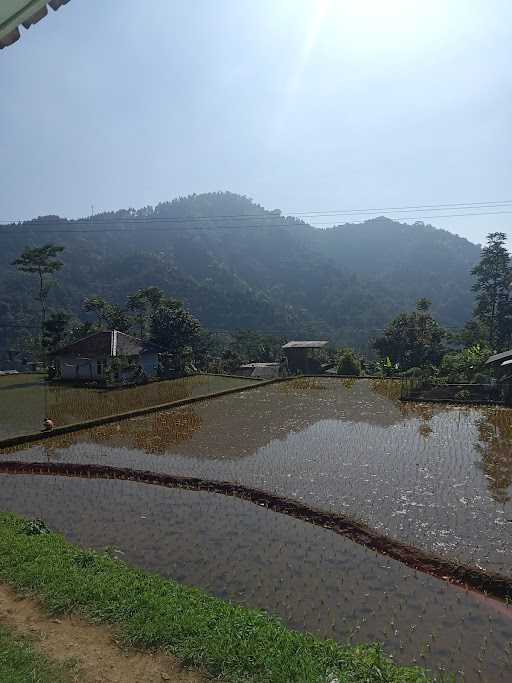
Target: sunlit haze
[(301, 105)]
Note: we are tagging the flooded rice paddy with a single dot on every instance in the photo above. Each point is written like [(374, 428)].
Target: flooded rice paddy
[(25, 399), (438, 477), (313, 579)]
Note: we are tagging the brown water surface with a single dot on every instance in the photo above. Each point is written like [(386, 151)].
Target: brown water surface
[(435, 476)]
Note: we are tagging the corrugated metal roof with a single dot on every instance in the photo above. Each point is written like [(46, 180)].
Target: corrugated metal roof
[(499, 356), (305, 344), (14, 13)]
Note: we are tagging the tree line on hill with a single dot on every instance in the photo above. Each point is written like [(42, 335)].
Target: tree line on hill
[(237, 266), (412, 342)]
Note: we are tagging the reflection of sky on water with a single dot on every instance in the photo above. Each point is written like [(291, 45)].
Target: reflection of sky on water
[(434, 476), (314, 579)]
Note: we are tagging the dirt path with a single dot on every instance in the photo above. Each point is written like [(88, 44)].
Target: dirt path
[(99, 659)]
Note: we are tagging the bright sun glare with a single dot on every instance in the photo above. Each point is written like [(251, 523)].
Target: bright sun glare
[(370, 15)]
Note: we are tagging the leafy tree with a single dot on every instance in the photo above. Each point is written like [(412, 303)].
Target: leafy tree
[(493, 277), (255, 347), (207, 351), (144, 303), (43, 262), (83, 329), (109, 316), (474, 332), (174, 328), (412, 339), (56, 330), (231, 360), (423, 305), (462, 366), (348, 363)]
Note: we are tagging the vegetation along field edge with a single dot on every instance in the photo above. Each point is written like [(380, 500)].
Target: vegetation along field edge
[(225, 640)]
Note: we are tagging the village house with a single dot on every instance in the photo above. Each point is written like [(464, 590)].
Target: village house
[(109, 357)]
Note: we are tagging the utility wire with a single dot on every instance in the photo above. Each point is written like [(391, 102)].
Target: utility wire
[(269, 215), (42, 228)]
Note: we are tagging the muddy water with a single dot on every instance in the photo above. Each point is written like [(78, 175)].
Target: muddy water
[(26, 399), (310, 577), (437, 477)]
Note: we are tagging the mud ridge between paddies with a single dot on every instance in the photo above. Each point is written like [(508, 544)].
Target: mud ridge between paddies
[(487, 583)]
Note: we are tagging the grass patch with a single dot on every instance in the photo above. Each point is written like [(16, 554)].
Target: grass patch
[(227, 641), (20, 662)]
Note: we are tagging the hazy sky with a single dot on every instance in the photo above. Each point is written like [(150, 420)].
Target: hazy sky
[(301, 104)]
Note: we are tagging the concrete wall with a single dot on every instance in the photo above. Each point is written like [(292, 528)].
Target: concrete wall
[(88, 370)]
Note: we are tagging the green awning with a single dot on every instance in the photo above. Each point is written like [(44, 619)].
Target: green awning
[(14, 13)]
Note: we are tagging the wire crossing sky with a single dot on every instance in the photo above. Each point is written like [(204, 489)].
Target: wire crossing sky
[(295, 103)]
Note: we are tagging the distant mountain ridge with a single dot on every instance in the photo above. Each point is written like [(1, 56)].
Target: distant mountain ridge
[(237, 265)]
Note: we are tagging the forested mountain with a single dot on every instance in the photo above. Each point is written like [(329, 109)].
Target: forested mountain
[(236, 265)]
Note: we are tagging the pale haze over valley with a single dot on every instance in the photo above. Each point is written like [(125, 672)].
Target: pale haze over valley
[(305, 106), (256, 341)]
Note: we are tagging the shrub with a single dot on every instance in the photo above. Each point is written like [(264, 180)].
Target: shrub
[(34, 527), (348, 364), (462, 366)]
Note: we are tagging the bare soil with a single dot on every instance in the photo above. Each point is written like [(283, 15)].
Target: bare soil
[(96, 656)]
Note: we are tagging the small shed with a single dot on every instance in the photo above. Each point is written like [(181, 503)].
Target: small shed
[(302, 356)]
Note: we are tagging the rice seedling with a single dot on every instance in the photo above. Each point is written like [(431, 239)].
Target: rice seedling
[(432, 476)]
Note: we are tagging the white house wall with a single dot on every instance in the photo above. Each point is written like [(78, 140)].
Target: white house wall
[(87, 369)]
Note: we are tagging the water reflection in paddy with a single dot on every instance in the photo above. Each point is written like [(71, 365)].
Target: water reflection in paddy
[(435, 476), (26, 399), (312, 578)]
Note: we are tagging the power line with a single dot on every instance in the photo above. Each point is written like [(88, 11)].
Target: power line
[(419, 207), (271, 216), (42, 228)]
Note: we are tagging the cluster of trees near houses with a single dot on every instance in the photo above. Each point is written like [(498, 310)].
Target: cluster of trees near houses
[(416, 343), (412, 341), (149, 314)]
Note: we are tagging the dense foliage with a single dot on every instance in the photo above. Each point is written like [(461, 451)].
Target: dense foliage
[(236, 266), (493, 279), (413, 339), (348, 363), (464, 365)]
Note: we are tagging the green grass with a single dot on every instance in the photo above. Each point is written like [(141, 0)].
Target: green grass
[(20, 662), (225, 640)]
